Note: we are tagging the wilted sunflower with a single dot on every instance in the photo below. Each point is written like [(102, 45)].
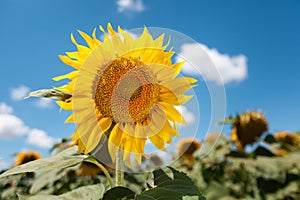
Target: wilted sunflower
[(88, 169), (156, 160), (186, 148), (24, 157), (288, 138), (247, 128), (126, 89)]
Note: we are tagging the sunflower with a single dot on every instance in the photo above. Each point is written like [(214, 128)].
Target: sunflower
[(247, 128), (124, 89), (186, 148), (288, 138), (88, 169), (24, 157), (156, 160)]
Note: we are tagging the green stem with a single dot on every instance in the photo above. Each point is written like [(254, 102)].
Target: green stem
[(103, 169), (119, 168)]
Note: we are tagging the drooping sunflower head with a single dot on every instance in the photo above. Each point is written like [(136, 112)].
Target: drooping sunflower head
[(124, 89), (156, 160), (185, 149), (88, 169), (247, 127), (25, 157), (288, 138)]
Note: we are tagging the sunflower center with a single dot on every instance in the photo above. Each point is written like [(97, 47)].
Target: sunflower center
[(126, 91)]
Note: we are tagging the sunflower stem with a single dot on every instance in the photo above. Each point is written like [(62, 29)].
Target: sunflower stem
[(103, 169), (119, 168)]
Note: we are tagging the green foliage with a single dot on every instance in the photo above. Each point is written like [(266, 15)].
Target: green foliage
[(91, 192), (168, 184), (259, 174), (119, 193), (55, 178), (217, 170), (61, 160)]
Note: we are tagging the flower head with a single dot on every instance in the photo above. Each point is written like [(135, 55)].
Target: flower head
[(88, 169), (124, 89), (186, 148), (24, 157), (288, 138), (247, 128)]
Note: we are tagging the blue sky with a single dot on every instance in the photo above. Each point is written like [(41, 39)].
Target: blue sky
[(257, 44)]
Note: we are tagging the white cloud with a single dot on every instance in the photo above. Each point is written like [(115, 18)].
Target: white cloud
[(40, 139), (211, 64), (11, 127), (19, 93), (130, 5), (187, 115), (5, 109), (44, 103)]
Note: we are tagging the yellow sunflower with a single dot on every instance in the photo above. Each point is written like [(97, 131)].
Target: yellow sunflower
[(247, 128), (126, 89), (24, 157)]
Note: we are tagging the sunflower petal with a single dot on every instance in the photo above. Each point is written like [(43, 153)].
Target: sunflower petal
[(171, 98), (158, 142), (70, 76), (173, 113), (179, 85), (87, 38), (70, 119), (104, 124), (114, 141), (68, 61), (138, 158), (65, 105)]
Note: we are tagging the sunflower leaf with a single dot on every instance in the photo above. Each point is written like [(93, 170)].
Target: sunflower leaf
[(228, 120), (118, 193), (49, 93), (48, 178), (171, 184), (62, 160), (91, 192)]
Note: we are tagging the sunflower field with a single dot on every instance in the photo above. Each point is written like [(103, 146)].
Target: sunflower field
[(269, 171), (122, 95)]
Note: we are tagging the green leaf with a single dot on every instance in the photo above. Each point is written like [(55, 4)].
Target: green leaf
[(159, 193), (91, 192), (49, 93), (48, 178), (59, 161), (215, 190), (266, 167), (117, 193), (214, 149), (174, 185), (190, 198), (228, 120), (270, 139)]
